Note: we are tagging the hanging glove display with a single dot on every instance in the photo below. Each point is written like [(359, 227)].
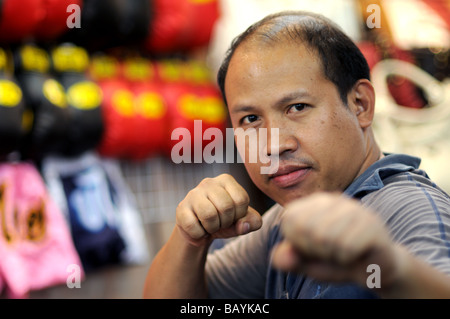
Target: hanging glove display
[(421, 132)]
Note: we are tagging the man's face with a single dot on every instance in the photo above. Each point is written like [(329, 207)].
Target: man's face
[(321, 145)]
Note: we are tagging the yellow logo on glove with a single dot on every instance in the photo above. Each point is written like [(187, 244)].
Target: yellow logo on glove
[(10, 93), (84, 95)]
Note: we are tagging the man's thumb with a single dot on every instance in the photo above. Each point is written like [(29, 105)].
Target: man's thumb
[(250, 222)]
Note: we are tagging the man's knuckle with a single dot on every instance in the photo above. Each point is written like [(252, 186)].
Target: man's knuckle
[(226, 208), (242, 200), (209, 216)]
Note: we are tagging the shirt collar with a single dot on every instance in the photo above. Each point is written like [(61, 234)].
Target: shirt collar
[(372, 179)]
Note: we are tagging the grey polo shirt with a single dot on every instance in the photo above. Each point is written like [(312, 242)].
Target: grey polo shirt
[(414, 209)]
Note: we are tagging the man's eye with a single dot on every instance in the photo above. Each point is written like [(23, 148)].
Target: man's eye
[(249, 119), (298, 107)]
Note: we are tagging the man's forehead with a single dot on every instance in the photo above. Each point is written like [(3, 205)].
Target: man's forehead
[(254, 49), (258, 57), (284, 73)]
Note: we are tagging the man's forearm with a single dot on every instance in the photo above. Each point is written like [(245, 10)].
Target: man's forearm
[(417, 280), (177, 271)]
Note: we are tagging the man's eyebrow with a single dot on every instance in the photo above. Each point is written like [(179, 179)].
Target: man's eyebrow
[(243, 108), (291, 96)]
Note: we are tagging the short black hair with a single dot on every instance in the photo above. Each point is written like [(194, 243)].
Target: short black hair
[(342, 61)]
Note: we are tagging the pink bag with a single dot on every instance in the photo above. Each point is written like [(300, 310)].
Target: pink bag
[(1, 283), (36, 246)]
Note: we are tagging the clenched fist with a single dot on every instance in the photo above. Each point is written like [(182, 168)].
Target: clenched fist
[(333, 238), (217, 208)]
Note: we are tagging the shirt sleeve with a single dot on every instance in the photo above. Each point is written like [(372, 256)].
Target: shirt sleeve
[(418, 217), (239, 269)]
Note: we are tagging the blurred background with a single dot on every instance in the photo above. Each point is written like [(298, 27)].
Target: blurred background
[(91, 90)]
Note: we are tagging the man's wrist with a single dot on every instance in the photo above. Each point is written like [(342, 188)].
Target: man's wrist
[(396, 277)]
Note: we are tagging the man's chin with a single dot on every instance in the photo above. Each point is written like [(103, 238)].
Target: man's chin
[(285, 196)]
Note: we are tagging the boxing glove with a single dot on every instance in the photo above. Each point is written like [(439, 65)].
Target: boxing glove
[(135, 18), (149, 105), (84, 98), (118, 116), (45, 97), (100, 22), (196, 106), (12, 107), (54, 22), (203, 16), (19, 19), (169, 73), (104, 69), (168, 26)]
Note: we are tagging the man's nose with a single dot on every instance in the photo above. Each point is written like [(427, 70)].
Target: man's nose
[(280, 140)]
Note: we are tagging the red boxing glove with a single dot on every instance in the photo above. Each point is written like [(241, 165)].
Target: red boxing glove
[(54, 23), (19, 19)]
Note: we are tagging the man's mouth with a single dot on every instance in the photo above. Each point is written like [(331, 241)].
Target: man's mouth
[(289, 175)]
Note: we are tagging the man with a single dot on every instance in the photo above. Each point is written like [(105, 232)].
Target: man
[(342, 205)]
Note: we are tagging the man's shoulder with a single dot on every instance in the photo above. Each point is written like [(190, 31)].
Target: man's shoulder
[(407, 192), (411, 183)]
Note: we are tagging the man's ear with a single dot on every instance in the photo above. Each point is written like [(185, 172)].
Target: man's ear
[(361, 101)]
